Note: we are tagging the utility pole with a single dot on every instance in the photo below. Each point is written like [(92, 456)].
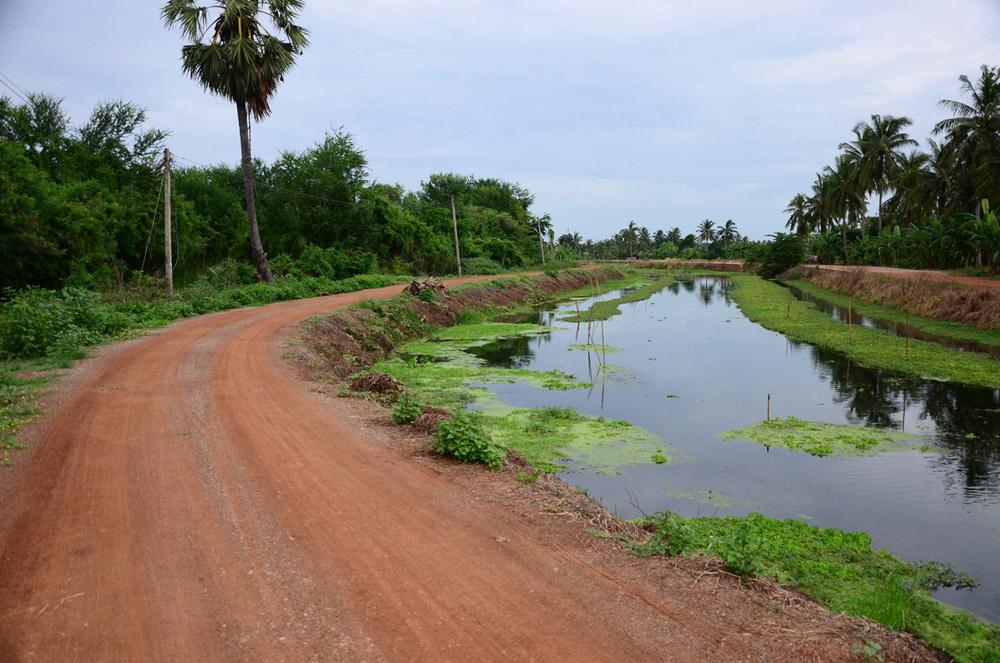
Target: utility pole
[(168, 259), (454, 223)]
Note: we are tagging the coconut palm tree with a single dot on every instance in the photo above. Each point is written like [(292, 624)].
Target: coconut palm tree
[(728, 233), (798, 217), (235, 56), (845, 200), (974, 133), (544, 224), (876, 150), (674, 236), (706, 231)]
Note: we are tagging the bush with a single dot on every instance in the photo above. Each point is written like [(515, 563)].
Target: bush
[(777, 256), (406, 410), (482, 265), (463, 438)]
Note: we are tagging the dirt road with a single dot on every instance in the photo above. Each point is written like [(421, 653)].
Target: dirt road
[(190, 500)]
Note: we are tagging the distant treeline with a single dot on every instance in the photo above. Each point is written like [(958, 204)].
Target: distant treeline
[(79, 206)]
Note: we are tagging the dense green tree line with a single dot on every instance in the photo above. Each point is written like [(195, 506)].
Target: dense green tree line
[(79, 206), (932, 207), (710, 241)]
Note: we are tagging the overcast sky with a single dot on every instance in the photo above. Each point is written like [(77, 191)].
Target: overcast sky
[(655, 111)]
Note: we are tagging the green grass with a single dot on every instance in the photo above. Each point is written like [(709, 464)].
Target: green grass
[(768, 304), (955, 331), (19, 403), (839, 569), (825, 439)]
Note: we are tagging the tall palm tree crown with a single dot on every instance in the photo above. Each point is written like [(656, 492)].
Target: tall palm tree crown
[(974, 132), (876, 150), (235, 56), (242, 61), (706, 231)]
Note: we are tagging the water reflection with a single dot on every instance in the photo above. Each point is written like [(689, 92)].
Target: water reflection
[(693, 367), (849, 316)]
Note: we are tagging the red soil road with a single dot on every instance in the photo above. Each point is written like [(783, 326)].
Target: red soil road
[(192, 502)]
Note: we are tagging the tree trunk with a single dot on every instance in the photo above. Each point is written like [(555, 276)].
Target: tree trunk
[(844, 226), (256, 249), (879, 213), (541, 244)]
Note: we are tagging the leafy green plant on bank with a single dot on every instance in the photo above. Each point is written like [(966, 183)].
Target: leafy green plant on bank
[(839, 569), (406, 410), (463, 437)]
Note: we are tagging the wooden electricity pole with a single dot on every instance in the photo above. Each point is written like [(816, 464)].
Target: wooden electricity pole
[(168, 258), (454, 223)]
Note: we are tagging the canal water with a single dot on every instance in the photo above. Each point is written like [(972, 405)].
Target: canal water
[(693, 367)]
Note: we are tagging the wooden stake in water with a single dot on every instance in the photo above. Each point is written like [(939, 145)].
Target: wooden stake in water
[(788, 314), (907, 357), (769, 407), (604, 348)]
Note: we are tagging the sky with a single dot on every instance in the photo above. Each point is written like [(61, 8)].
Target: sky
[(662, 112)]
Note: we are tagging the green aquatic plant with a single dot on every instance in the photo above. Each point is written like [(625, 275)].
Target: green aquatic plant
[(825, 439)]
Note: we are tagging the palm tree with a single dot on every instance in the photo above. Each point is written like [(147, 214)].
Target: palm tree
[(543, 223), (244, 63), (876, 150), (706, 231), (798, 219), (674, 236), (913, 188), (645, 239), (630, 236), (845, 200), (974, 132), (728, 233)]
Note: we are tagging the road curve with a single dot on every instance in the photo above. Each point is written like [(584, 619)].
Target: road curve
[(192, 502)]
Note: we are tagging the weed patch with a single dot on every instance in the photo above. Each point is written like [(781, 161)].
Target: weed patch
[(840, 569), (825, 439)]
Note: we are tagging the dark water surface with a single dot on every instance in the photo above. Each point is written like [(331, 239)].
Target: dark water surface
[(695, 367)]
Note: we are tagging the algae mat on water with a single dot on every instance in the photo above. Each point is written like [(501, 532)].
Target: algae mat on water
[(442, 373), (825, 439)]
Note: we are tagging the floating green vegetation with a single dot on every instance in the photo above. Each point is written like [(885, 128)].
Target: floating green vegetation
[(442, 374), (556, 438), (768, 304), (716, 499), (840, 569), (601, 349), (486, 332), (602, 310), (825, 439)]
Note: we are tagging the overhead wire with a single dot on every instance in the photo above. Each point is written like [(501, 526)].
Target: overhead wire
[(12, 86)]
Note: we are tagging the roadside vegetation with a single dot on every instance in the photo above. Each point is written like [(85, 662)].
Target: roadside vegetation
[(839, 569)]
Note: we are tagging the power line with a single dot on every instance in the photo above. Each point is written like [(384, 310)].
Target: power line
[(16, 90)]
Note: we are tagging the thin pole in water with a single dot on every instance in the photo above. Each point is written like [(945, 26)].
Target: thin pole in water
[(769, 407), (907, 357), (850, 319)]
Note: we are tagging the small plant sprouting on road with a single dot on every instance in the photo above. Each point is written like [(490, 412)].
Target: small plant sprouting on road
[(406, 410), (871, 649), (464, 438)]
